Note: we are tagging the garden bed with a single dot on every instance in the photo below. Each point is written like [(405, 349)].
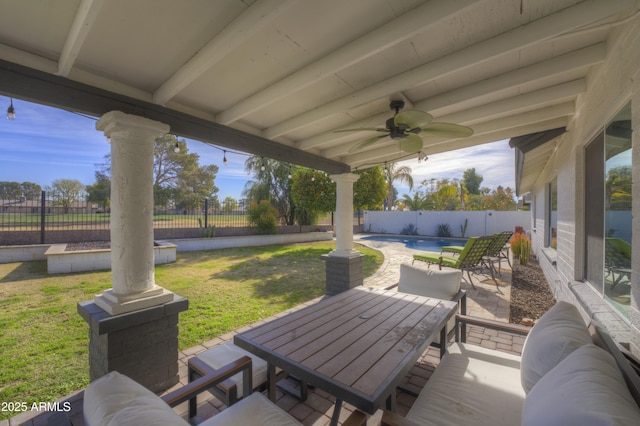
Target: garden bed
[(62, 261)]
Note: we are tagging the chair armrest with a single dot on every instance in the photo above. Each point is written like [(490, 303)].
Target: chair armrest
[(211, 377), (462, 320), (394, 419)]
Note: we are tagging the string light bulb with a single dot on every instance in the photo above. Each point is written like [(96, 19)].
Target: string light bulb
[(11, 112), (224, 157), (176, 149)]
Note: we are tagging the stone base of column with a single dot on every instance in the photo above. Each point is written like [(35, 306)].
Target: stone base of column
[(142, 345), (116, 305), (343, 272)]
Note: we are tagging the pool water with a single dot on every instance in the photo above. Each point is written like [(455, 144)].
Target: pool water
[(420, 243)]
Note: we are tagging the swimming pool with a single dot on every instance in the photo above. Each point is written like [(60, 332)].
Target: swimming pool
[(419, 243)]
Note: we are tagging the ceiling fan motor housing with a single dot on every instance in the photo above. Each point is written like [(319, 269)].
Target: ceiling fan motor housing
[(395, 132)]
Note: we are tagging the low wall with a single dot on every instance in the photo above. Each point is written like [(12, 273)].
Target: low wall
[(195, 244), (10, 254), (485, 222), (102, 258), (60, 261)]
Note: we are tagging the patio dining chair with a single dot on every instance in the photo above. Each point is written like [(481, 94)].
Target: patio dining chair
[(470, 258), (232, 389)]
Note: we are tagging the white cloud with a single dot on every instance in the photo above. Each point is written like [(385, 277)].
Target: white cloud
[(493, 161)]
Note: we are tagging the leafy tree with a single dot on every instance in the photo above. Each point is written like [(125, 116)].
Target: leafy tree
[(270, 182), (472, 181), (69, 191), (177, 176), (369, 190), (618, 188), (500, 199), (229, 204), (10, 191), (313, 193), (100, 191), (418, 202), (263, 216), (394, 173)]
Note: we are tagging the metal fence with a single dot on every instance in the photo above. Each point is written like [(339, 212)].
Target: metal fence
[(52, 212)]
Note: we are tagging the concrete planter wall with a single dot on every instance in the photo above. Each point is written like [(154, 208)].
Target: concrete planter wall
[(60, 261)]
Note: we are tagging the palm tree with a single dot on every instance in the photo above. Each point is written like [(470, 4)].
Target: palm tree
[(418, 202), (394, 173)]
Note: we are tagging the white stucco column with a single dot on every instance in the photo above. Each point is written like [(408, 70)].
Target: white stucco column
[(344, 215), (132, 265)]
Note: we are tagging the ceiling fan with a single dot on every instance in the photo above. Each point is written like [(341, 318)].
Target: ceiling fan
[(405, 126)]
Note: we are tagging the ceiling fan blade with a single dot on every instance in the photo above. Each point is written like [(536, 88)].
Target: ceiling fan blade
[(447, 130), (373, 129), (365, 143), (412, 143), (412, 118)]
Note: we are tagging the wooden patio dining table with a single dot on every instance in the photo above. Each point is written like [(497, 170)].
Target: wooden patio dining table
[(357, 345)]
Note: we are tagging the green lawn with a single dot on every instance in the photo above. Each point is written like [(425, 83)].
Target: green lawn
[(44, 342)]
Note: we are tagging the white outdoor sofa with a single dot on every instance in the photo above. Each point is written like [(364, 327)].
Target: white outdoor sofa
[(117, 400), (568, 374)]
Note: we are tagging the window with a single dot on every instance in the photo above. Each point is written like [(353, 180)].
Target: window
[(552, 234), (608, 214)]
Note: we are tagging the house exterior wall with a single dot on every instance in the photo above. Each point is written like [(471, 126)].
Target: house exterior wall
[(610, 86)]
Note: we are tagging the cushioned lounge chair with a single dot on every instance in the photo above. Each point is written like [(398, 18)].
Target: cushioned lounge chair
[(495, 251), (470, 258)]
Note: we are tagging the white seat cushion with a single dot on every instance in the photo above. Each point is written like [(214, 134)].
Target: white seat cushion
[(471, 386), (115, 400), (227, 352), (254, 410), (424, 282), (585, 389), (560, 331)]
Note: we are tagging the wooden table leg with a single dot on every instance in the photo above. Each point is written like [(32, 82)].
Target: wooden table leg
[(336, 413), (443, 341), (271, 381), (391, 401)]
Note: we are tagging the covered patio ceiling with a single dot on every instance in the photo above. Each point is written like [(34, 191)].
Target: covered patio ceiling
[(279, 77)]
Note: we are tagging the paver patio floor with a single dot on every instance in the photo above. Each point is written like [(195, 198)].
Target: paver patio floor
[(484, 301)]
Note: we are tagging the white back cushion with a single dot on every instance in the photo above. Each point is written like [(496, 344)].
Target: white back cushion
[(423, 282), (115, 399), (585, 389), (560, 331)]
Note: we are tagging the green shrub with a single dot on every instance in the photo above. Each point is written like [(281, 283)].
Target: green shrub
[(409, 229), (443, 230), (264, 217)]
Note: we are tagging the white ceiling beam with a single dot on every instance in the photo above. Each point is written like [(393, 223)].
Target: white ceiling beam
[(516, 104), (382, 38), (568, 62), (557, 92), (530, 74), (255, 18), (82, 23), (526, 35)]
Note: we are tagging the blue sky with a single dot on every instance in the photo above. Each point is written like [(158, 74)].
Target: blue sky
[(44, 144)]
